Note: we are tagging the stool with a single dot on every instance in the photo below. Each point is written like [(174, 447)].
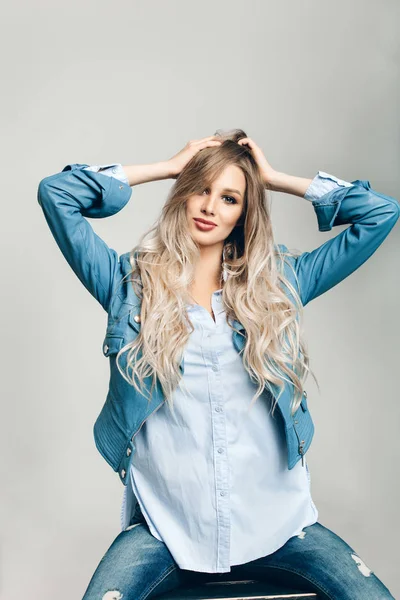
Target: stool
[(249, 589)]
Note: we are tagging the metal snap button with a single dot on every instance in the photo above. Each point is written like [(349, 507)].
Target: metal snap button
[(296, 422), (305, 393), (128, 451), (121, 187), (105, 347), (137, 318), (123, 473)]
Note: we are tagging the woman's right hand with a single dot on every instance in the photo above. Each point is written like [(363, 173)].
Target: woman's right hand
[(181, 159)]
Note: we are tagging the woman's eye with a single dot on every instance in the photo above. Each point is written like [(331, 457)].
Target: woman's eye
[(230, 197), (234, 201)]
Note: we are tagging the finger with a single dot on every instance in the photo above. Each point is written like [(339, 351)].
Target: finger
[(250, 144)]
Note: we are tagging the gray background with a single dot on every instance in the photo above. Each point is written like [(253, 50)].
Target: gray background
[(316, 84)]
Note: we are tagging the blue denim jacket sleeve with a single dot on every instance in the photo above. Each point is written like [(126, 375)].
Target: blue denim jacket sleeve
[(66, 199), (371, 217)]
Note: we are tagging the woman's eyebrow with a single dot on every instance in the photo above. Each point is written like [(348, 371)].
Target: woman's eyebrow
[(232, 190)]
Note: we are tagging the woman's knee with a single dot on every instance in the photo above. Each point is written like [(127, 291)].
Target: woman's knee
[(135, 566), (326, 559)]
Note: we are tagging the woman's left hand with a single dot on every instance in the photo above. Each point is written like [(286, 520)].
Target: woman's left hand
[(266, 170)]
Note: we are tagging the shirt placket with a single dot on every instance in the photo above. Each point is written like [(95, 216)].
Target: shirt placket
[(219, 439)]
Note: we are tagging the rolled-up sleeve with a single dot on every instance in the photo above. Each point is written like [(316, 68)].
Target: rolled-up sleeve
[(111, 170), (322, 184)]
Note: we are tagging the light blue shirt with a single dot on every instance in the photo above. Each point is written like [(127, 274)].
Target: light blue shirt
[(220, 493)]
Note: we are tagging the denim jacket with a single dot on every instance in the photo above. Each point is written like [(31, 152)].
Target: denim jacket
[(69, 197)]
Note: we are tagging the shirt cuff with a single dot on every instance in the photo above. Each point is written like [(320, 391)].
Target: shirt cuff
[(322, 184), (112, 170)]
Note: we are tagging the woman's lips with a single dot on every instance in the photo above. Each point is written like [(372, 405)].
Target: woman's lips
[(203, 226)]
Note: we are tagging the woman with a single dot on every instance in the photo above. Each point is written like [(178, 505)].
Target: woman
[(203, 336)]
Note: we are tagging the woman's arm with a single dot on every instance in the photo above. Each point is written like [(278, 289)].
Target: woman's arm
[(95, 191), (67, 199), (310, 189), (99, 191), (136, 174), (370, 216), (290, 184)]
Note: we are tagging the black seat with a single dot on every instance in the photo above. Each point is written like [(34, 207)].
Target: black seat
[(238, 590)]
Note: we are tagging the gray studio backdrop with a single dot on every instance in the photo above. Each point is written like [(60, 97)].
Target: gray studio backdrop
[(316, 84)]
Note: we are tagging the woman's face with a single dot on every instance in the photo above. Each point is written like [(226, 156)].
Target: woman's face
[(221, 204)]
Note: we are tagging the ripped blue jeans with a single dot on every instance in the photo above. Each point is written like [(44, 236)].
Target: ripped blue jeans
[(137, 566)]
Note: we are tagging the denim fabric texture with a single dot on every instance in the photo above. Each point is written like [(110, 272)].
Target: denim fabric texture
[(137, 566)]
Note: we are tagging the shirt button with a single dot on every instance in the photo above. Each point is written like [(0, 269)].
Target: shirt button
[(222, 493), (215, 368), (220, 450), (218, 408), (114, 169)]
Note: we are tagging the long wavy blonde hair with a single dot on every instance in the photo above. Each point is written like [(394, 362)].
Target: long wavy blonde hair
[(163, 271)]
